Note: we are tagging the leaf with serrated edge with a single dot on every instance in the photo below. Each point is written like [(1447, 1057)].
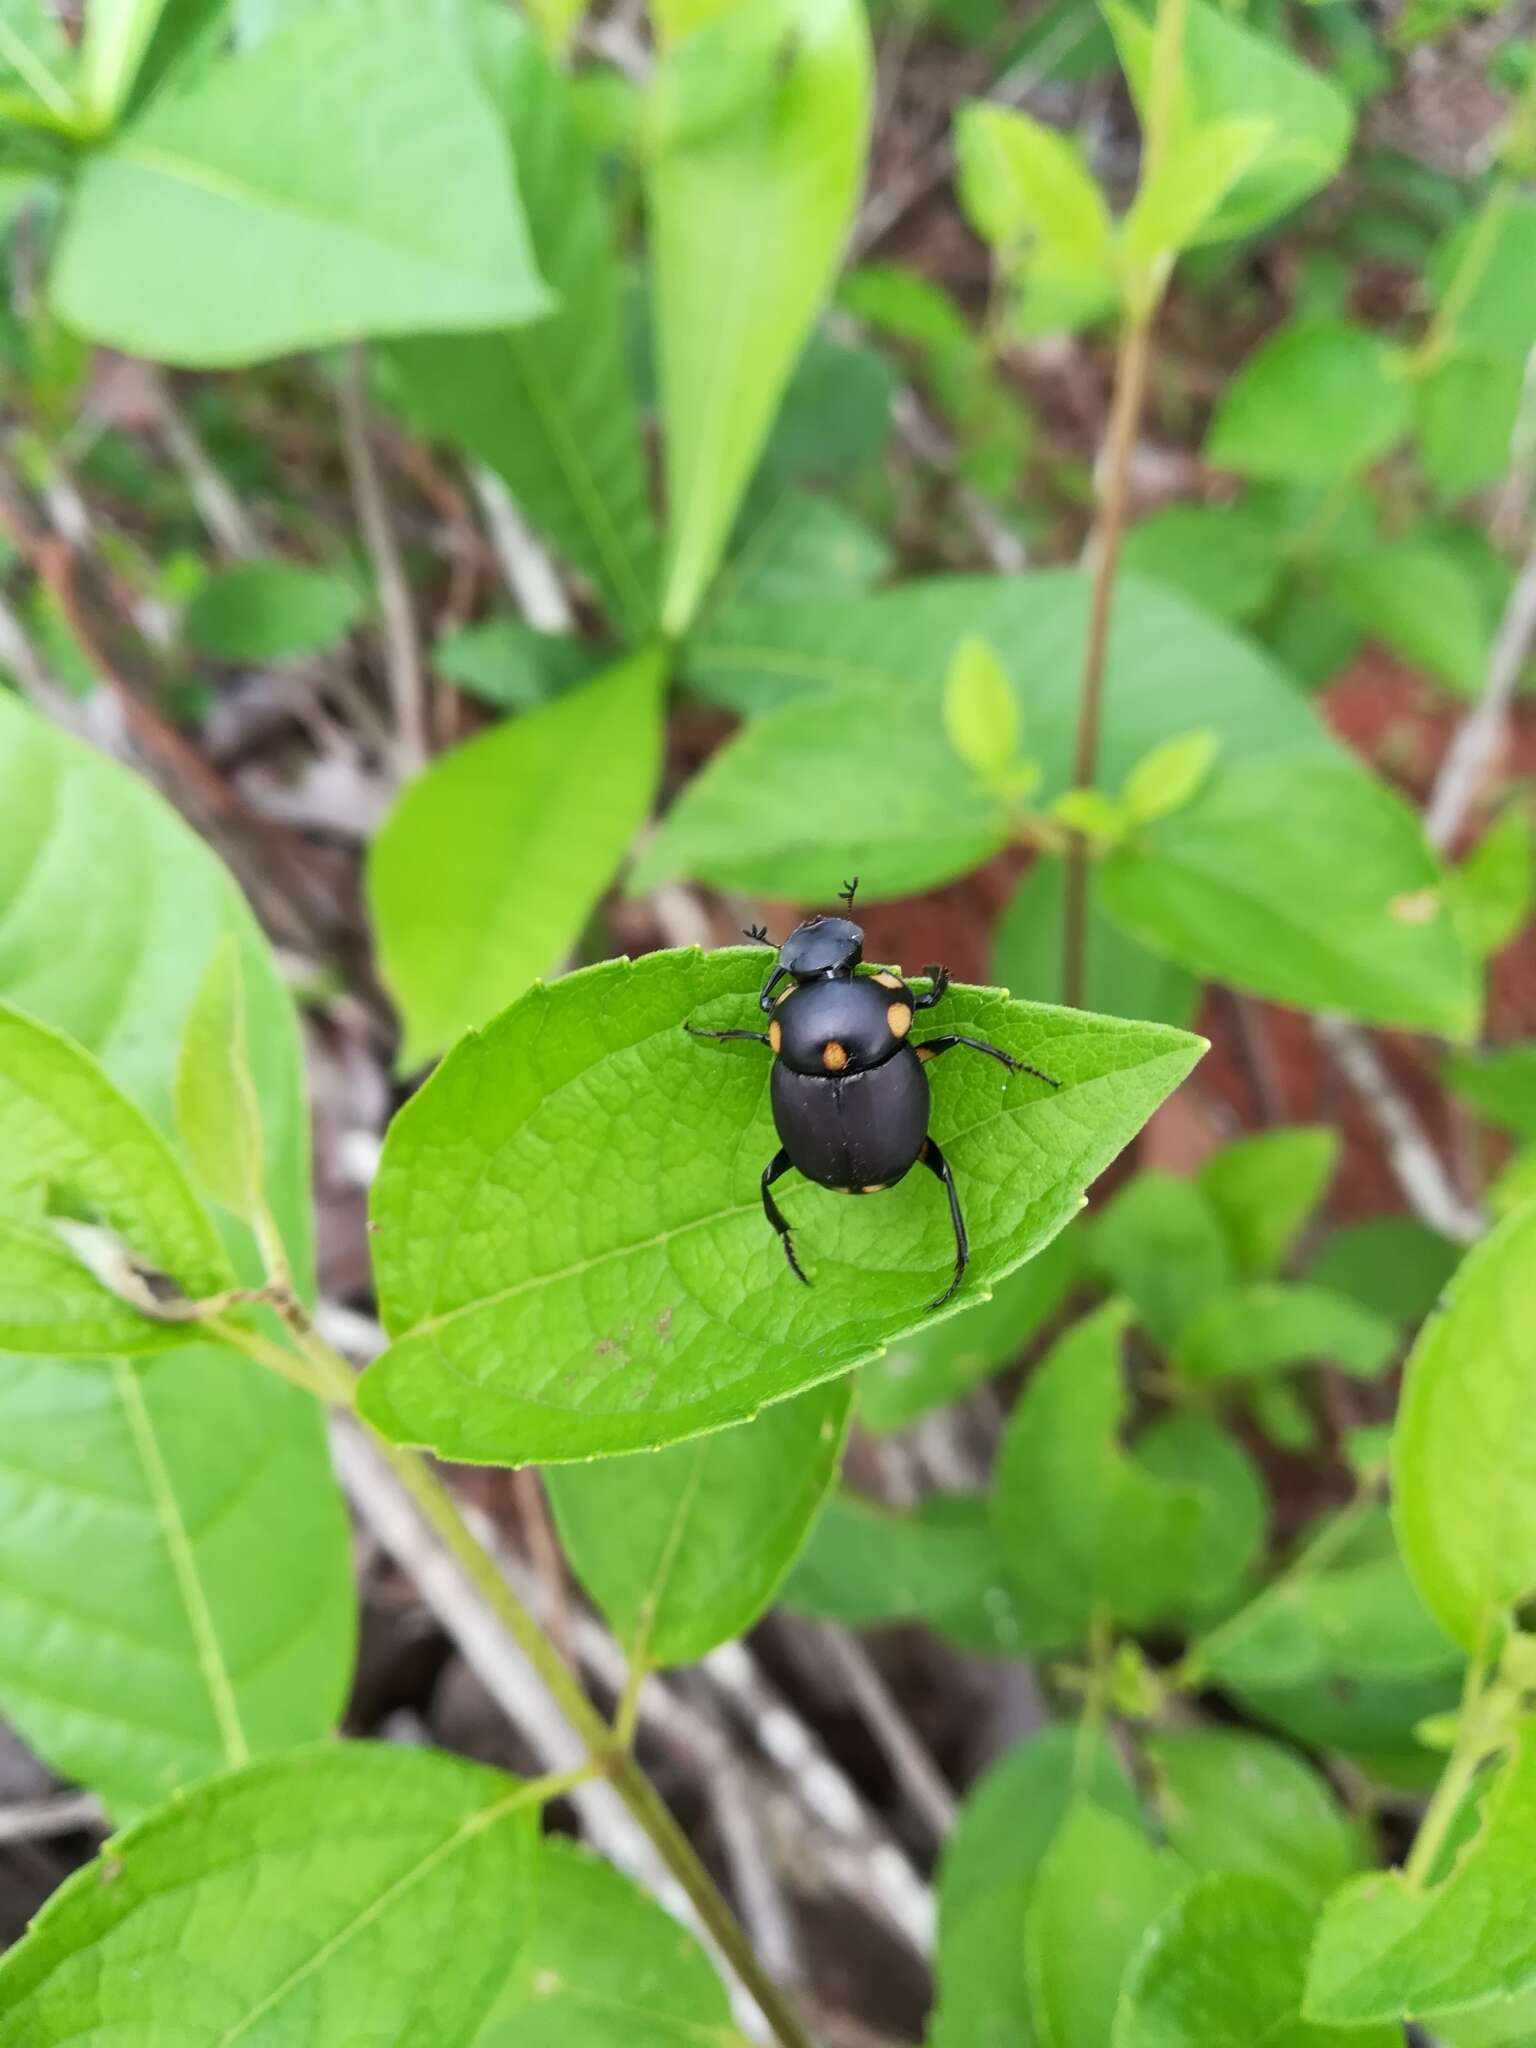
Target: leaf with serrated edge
[(1385, 1951), (570, 1247), (1464, 1445), (176, 1523), (337, 1881), (683, 1548)]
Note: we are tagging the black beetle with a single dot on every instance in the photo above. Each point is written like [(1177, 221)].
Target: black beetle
[(850, 1097)]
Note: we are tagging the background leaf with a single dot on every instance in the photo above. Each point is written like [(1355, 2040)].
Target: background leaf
[(345, 178), (1318, 400), (683, 1548), (550, 404), (529, 822), (1420, 603), (1464, 1445), (328, 1882), (610, 1283), (1120, 976), (748, 204), (1263, 1188), (177, 1523), (267, 611), (218, 1115), (1231, 885), (1227, 1964)]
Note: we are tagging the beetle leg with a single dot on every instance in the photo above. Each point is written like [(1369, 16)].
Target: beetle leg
[(758, 1037), (777, 1166), (932, 1047), (940, 979), (938, 1166)]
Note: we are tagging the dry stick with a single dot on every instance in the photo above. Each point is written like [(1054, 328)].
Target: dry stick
[(40, 1820), (904, 1750), (217, 506), (764, 1908), (525, 561), (402, 650), (1474, 749), (437, 1509)]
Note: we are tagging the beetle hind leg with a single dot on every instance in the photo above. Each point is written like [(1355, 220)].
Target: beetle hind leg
[(939, 1167), (758, 1037), (932, 1047), (777, 1166)]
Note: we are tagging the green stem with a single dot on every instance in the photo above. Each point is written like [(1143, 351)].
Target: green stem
[(331, 1376), (1473, 1746), (1132, 363)]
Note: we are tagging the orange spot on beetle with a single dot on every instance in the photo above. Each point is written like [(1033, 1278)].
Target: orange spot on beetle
[(834, 1057), (899, 1017), (775, 1034)]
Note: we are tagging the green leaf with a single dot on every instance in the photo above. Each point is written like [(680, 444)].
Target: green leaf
[(1386, 1951), (1193, 1450), (1231, 888), (514, 666), (549, 403), (1085, 1527), (869, 1567), (803, 547), (113, 41), (1164, 780), (1463, 1452), (1420, 603), (571, 1252), (1231, 72), (684, 1548), (1184, 193), (604, 1967), (269, 611), (1121, 978), (1231, 1801), (749, 203), (1491, 298), (72, 1145), (943, 1362), (1500, 1086), (1092, 813), (1320, 400), (1346, 1610), (1100, 1888), (1464, 413), (329, 1882), (981, 712), (1222, 558), (345, 178), (987, 1878), (527, 822), (1265, 1187), (177, 1524), (1228, 1964), (1271, 1324), (34, 50), (1391, 1264), (1495, 886), (1021, 181), (825, 784), (1162, 1244), (218, 1114)]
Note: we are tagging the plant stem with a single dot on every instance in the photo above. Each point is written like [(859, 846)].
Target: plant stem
[(329, 1374), (1133, 358), (1466, 1759), (1124, 419)]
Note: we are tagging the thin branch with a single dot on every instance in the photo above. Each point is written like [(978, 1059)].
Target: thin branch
[(1481, 733), (911, 1762), (1415, 1163), (402, 648), (217, 506), (764, 1909), (526, 563), (39, 1820)]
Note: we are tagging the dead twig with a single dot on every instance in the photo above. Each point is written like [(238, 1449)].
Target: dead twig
[(404, 670)]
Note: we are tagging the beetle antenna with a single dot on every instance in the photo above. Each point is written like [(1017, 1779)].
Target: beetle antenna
[(758, 934), (848, 891)]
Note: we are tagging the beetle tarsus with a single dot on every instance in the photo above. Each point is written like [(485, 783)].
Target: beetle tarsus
[(931, 1048), (777, 1166), (757, 933), (939, 976), (938, 1166)]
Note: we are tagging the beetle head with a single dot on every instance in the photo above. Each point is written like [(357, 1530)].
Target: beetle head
[(822, 946)]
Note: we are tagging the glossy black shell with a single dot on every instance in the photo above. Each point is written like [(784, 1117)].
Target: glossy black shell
[(854, 1014), (860, 1129)]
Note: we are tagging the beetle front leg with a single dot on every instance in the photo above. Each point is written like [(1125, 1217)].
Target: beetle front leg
[(776, 1168), (939, 1167), (757, 1037), (932, 1047), (940, 979)]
